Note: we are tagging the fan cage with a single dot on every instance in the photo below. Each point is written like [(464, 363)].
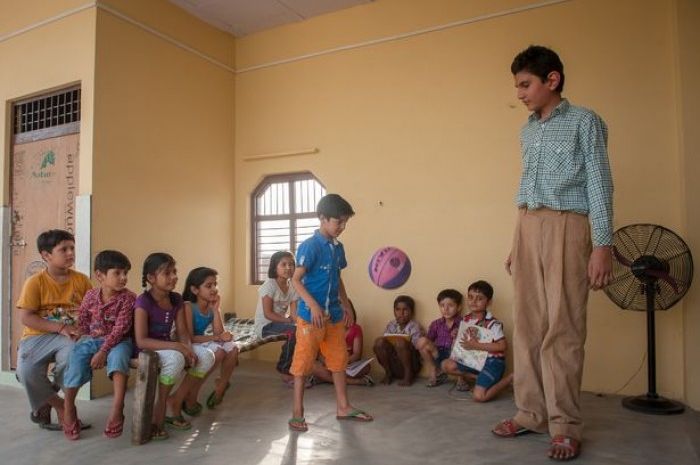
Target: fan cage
[(636, 240)]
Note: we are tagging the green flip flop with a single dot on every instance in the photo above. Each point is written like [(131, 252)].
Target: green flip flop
[(158, 434), (178, 422), (298, 424), (356, 415), (192, 411), (212, 401)]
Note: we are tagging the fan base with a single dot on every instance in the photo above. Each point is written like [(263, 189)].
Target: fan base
[(653, 405)]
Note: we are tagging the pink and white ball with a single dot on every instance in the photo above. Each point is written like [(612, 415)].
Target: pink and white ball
[(389, 268)]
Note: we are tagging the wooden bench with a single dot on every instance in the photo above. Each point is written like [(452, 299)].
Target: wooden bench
[(146, 365)]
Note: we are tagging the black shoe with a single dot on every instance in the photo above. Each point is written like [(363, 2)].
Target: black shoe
[(42, 416), (57, 427)]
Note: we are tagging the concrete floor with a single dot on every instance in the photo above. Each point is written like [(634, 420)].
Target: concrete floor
[(413, 426)]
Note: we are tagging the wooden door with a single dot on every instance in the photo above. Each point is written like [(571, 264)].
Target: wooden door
[(44, 183)]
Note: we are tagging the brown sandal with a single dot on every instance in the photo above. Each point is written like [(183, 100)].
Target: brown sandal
[(114, 429), (72, 431), (509, 429), (567, 448)]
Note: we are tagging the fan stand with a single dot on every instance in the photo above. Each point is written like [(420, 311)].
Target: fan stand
[(651, 402)]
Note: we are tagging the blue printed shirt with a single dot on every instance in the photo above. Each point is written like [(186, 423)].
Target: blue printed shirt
[(322, 258), (565, 167)]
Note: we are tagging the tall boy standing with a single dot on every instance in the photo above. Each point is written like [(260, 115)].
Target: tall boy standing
[(324, 310), (566, 182), (48, 309)]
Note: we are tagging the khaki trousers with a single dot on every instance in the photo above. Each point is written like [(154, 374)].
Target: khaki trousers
[(549, 258)]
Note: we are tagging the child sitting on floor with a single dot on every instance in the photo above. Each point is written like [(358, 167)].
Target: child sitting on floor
[(437, 345), (396, 350), (354, 342), (104, 318), (488, 379), (202, 308), (157, 310)]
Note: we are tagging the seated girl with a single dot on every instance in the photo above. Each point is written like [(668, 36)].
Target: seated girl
[(277, 307), (156, 311), (203, 308)]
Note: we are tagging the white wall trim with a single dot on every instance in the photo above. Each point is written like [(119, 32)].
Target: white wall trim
[(405, 35), (214, 61), (120, 15), (46, 21), (164, 37)]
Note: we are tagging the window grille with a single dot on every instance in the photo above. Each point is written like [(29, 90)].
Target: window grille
[(47, 111), (283, 216)]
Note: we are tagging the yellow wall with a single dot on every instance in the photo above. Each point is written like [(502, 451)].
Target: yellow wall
[(688, 18), (176, 23), (32, 64), (20, 14), (163, 142), (428, 125), (160, 171), (163, 145)]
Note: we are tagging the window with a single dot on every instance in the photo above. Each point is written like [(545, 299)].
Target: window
[(283, 216), (47, 111)]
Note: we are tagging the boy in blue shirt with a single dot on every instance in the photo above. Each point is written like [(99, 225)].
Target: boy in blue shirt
[(324, 310)]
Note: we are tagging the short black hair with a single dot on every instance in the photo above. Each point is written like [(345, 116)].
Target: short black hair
[(406, 299), (453, 294), (334, 206), (47, 240), (483, 287), (111, 259), (539, 61), (275, 260)]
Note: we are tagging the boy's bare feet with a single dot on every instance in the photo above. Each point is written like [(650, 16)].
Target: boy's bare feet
[(406, 382)]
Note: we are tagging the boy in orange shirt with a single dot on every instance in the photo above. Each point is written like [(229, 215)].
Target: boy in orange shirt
[(48, 308)]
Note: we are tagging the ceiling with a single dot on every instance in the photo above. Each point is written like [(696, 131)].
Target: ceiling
[(242, 17)]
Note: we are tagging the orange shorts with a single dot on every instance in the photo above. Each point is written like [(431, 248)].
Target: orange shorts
[(330, 340)]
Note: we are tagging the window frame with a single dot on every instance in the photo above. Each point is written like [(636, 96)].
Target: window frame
[(255, 218)]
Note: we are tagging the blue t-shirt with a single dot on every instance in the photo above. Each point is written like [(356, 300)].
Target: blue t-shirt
[(200, 322), (323, 259)]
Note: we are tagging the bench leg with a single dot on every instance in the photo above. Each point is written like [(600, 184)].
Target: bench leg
[(144, 397)]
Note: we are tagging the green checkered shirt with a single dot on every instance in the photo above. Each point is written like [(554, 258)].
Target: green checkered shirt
[(565, 167)]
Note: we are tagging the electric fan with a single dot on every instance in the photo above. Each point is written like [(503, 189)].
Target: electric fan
[(652, 270)]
